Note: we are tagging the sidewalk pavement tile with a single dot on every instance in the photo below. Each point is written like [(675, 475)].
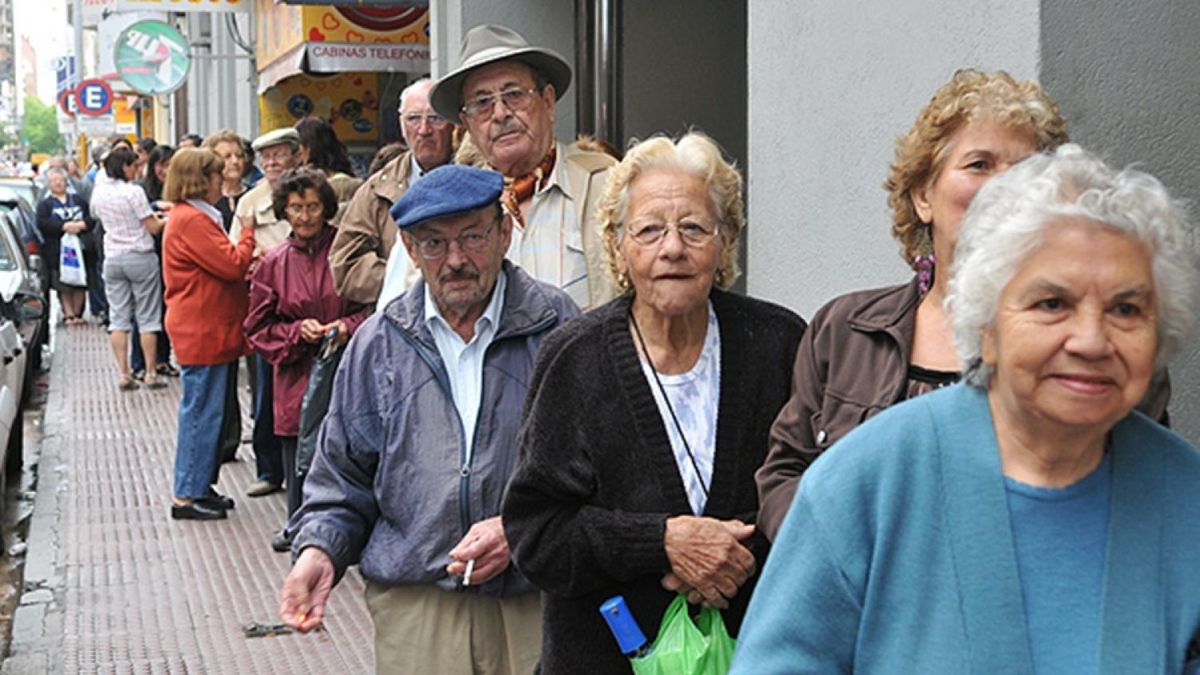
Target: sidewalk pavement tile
[(133, 590)]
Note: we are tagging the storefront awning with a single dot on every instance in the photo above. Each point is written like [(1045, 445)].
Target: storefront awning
[(339, 57)]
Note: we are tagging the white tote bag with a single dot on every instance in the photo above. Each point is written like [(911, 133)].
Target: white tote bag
[(70, 261)]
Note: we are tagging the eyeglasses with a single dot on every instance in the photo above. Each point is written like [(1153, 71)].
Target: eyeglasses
[(414, 120), (297, 210), (471, 242), (691, 233), (515, 99), (277, 157)]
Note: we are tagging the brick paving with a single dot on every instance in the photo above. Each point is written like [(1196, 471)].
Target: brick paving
[(113, 585)]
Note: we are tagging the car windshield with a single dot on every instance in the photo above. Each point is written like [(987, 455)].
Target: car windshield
[(11, 191)]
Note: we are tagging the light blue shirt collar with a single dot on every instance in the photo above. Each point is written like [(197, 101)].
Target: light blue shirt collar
[(488, 321), (417, 171), (207, 209)]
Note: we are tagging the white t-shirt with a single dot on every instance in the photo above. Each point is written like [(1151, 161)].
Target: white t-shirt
[(696, 398)]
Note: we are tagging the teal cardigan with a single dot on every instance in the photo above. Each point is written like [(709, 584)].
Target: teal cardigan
[(897, 555)]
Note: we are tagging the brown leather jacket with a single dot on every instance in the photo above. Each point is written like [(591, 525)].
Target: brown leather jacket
[(851, 364), (366, 233)]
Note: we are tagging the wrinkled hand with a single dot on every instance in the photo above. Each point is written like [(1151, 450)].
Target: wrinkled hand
[(312, 330), (306, 590), (486, 544), (707, 558)]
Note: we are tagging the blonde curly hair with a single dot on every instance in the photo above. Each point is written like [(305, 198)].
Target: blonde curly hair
[(696, 154), (968, 96)]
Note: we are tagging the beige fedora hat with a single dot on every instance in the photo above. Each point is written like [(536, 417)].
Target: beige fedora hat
[(490, 43)]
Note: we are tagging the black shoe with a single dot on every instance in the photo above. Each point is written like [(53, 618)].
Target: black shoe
[(197, 510), (282, 543), (217, 500)]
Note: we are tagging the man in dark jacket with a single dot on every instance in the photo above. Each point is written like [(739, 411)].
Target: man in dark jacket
[(420, 441)]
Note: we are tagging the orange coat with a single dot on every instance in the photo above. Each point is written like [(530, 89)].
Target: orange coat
[(206, 290)]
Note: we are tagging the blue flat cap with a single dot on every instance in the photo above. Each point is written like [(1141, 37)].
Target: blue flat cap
[(447, 191)]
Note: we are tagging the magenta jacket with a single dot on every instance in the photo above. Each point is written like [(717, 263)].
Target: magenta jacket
[(294, 283)]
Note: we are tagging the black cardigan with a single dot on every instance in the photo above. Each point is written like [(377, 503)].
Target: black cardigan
[(596, 478)]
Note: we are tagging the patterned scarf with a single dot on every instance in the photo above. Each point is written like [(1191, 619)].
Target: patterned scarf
[(521, 188)]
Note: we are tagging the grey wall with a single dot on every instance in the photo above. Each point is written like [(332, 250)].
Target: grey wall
[(544, 23), (684, 66), (831, 86), (221, 82), (1125, 76)]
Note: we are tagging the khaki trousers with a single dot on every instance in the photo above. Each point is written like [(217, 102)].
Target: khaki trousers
[(425, 630)]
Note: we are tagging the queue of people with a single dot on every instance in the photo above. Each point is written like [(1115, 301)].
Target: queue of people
[(971, 471), (548, 396)]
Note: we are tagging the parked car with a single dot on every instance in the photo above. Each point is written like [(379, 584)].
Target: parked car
[(24, 188), (22, 277), (27, 229)]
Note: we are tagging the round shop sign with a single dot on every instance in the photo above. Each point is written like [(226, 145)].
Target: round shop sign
[(152, 58)]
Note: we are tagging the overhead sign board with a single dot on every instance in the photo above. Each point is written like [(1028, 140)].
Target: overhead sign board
[(184, 5), (66, 77), (152, 58), (94, 98), (97, 125)]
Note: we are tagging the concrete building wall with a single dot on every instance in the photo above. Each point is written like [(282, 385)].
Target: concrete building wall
[(831, 86), (1125, 77), (684, 66), (220, 84)]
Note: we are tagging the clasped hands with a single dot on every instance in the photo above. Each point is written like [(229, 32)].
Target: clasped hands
[(709, 559), (312, 330)]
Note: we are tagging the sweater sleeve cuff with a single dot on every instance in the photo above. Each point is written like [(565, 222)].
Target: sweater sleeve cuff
[(634, 541)]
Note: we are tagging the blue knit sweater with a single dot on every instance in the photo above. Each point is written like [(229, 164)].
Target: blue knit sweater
[(897, 555)]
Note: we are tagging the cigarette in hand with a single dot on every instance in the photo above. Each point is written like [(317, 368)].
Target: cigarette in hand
[(299, 617), (470, 568)]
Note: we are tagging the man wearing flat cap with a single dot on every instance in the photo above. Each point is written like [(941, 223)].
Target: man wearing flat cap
[(504, 91), (276, 151), (420, 440)]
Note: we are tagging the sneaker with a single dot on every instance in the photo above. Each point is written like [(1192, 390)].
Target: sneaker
[(262, 488)]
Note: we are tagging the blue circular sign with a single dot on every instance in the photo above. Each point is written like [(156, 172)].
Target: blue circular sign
[(93, 97)]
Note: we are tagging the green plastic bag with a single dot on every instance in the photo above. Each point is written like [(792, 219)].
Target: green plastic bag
[(686, 648)]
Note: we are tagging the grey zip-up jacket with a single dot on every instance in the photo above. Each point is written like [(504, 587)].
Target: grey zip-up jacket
[(389, 486)]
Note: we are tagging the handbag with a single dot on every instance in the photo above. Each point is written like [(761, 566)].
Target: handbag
[(315, 403), (70, 261)]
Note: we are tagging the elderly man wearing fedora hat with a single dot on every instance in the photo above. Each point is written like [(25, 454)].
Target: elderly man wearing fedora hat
[(504, 91), (420, 440)]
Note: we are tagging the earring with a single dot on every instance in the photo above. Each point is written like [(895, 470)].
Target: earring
[(925, 262)]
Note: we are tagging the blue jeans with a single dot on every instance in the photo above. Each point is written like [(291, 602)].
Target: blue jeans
[(268, 455), (201, 413)]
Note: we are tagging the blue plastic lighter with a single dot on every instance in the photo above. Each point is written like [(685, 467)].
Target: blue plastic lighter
[(624, 627)]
